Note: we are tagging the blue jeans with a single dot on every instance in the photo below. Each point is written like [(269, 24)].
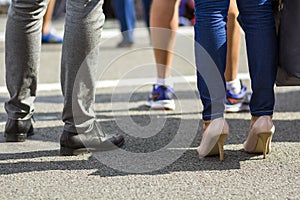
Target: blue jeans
[(125, 12), (256, 19), (147, 7)]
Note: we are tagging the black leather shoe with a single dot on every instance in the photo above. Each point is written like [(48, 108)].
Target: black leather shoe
[(18, 130), (75, 143)]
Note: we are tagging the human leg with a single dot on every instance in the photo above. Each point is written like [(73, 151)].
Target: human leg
[(48, 33), (210, 52), (237, 98), (164, 23), (256, 18), (22, 57), (80, 61), (260, 35), (125, 12), (233, 43), (147, 7)]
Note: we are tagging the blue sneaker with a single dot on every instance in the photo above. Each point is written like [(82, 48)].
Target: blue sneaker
[(161, 98), (51, 37), (237, 102)]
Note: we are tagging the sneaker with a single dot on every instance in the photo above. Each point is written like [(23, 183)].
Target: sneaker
[(52, 37), (161, 98), (124, 44), (237, 102)]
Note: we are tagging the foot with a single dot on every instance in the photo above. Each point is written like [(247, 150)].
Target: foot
[(124, 44), (18, 130), (237, 102), (94, 140), (161, 98), (260, 135), (213, 137), (52, 37)]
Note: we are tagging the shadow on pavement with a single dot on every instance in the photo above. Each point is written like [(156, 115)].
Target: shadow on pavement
[(286, 131), (188, 161)]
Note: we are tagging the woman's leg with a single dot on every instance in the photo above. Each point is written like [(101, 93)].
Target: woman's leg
[(236, 93), (233, 43), (48, 17), (210, 52), (256, 18), (164, 24), (49, 35)]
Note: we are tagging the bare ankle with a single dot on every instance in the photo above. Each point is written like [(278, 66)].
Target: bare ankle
[(254, 118), (205, 124)]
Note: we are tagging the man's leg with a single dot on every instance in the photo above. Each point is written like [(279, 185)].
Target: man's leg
[(79, 72), (22, 58)]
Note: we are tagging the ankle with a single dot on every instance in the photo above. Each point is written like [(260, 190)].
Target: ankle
[(255, 118), (235, 86), (206, 124)]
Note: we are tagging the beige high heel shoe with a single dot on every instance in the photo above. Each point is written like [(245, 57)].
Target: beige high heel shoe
[(260, 135), (214, 135)]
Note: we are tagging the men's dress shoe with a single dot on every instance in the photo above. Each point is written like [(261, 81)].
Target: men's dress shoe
[(92, 141), (18, 130)]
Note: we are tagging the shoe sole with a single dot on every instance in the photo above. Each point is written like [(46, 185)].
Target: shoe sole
[(21, 137), (18, 138), (67, 151), (237, 108), (163, 105)]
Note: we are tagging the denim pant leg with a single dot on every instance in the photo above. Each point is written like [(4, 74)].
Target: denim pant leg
[(22, 55), (147, 7), (257, 21), (80, 63), (125, 12), (210, 54)]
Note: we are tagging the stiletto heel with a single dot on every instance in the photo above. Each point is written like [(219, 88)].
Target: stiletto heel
[(260, 136), (263, 145), (221, 141), (213, 139)]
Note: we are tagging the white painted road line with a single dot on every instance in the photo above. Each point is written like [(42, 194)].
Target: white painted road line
[(123, 83), (111, 33)]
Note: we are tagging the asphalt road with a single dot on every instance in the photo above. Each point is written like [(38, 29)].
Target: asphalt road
[(159, 159)]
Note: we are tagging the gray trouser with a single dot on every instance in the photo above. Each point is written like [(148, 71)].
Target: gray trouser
[(83, 26)]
